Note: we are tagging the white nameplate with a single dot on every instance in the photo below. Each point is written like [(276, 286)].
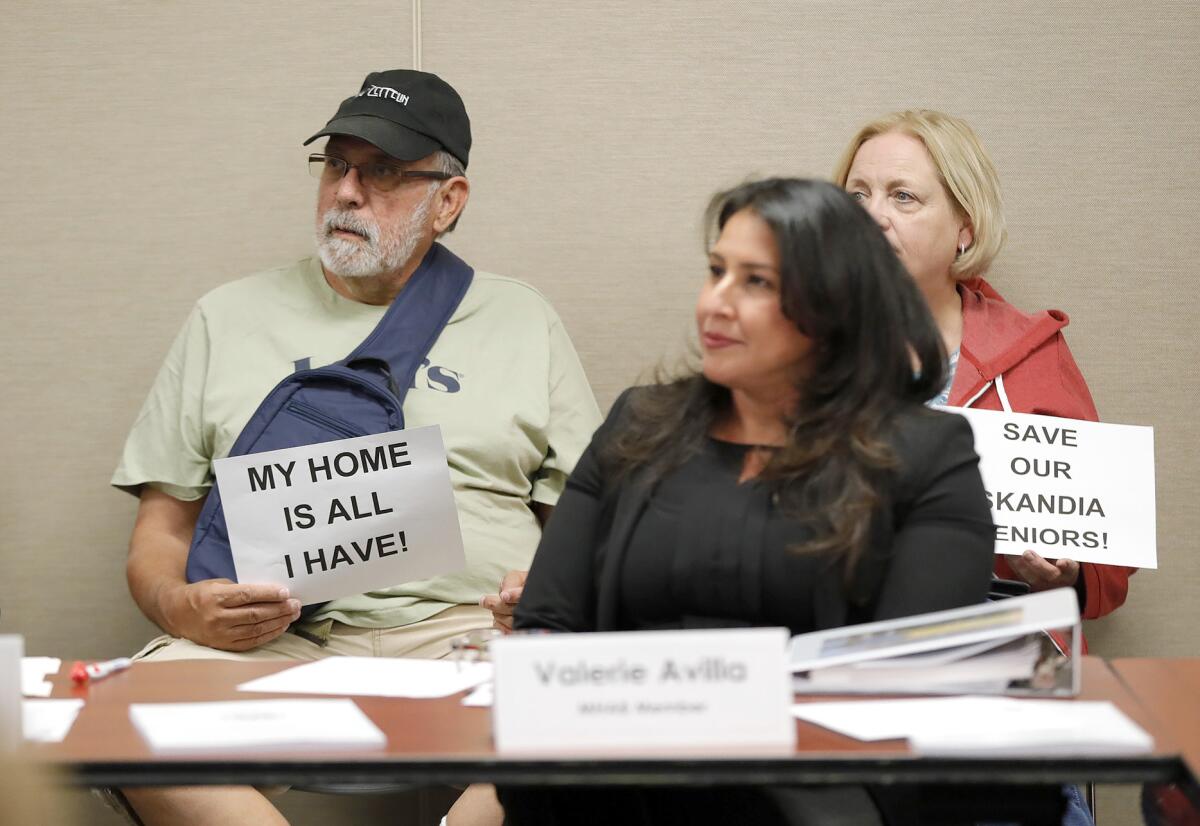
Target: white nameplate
[(1067, 488), (12, 649), (726, 689), (341, 518)]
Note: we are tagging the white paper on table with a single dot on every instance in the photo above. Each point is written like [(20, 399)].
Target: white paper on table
[(375, 676), (1048, 728), (943, 725), (34, 671), (886, 719), (48, 721), (259, 724), (481, 697)]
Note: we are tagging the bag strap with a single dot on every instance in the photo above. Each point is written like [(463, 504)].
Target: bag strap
[(415, 319)]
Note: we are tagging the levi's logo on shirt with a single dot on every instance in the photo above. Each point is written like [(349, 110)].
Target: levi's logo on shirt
[(431, 376)]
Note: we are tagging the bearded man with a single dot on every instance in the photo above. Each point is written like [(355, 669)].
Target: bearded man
[(502, 380)]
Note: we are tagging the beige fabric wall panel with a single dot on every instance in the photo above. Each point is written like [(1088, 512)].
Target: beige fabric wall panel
[(158, 155), (155, 154), (602, 128)]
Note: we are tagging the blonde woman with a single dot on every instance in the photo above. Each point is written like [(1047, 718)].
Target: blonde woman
[(926, 179)]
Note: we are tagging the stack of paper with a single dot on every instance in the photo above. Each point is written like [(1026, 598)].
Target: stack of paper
[(993, 648), (985, 725), (256, 724), (987, 667)]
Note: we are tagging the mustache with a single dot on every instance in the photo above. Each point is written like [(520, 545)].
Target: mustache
[(346, 221)]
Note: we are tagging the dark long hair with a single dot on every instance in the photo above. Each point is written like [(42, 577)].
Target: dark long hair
[(875, 350)]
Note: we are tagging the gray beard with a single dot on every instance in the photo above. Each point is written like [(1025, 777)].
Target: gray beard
[(378, 253)]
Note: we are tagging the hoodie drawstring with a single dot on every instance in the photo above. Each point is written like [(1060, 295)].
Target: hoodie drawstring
[(999, 382)]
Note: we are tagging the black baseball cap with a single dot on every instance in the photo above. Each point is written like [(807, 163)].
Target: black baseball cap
[(406, 113)]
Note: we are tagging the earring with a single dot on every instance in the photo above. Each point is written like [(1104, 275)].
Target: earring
[(962, 248)]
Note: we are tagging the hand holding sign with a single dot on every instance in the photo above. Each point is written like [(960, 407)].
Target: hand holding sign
[(344, 517), (1043, 574), (503, 603), (227, 615)]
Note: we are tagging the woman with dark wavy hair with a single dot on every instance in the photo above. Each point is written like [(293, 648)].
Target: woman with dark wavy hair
[(796, 479)]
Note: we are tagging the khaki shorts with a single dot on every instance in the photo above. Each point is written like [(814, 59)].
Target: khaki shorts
[(427, 639)]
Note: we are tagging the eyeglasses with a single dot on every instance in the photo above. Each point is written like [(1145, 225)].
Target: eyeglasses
[(377, 175)]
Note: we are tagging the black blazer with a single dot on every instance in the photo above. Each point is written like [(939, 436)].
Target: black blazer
[(931, 544)]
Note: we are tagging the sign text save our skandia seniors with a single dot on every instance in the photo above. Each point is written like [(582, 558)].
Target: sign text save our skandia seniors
[(1067, 488)]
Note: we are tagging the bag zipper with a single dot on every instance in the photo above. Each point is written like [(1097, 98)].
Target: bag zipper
[(312, 414)]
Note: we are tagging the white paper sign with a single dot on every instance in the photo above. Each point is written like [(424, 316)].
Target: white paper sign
[(1067, 488), (344, 517), (651, 691)]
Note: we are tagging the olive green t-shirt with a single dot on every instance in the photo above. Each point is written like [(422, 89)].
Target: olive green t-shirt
[(503, 381)]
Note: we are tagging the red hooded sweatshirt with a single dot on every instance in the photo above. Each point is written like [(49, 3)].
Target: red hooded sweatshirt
[(1038, 375)]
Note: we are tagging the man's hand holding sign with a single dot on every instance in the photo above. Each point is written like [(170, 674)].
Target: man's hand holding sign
[(215, 612), (230, 615), (341, 518)]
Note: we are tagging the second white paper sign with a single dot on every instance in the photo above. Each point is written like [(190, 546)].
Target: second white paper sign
[(1068, 488)]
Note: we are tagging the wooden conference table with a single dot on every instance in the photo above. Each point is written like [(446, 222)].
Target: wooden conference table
[(1170, 690), (442, 742)]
